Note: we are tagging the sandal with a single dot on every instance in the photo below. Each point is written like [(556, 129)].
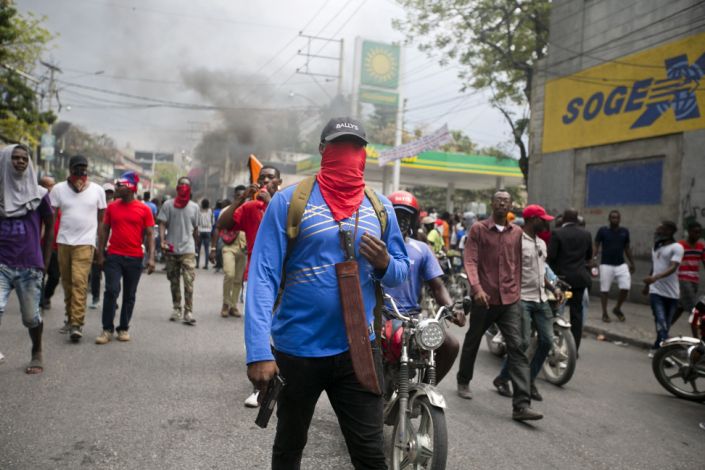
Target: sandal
[(35, 366), (619, 314)]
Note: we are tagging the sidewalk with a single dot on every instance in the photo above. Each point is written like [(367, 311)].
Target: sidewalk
[(638, 329)]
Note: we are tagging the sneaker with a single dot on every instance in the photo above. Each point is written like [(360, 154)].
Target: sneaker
[(188, 319), (176, 315), (94, 304), (123, 335), (64, 329), (75, 333), (502, 387), (464, 391), (224, 311), (618, 313), (2, 358), (535, 395), (104, 338), (651, 353), (525, 413), (251, 401)]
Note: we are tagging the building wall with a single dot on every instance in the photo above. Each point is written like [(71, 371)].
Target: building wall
[(585, 33)]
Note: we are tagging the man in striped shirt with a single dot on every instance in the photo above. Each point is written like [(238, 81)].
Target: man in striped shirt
[(689, 269)]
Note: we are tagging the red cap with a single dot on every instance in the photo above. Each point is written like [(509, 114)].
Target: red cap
[(534, 210)]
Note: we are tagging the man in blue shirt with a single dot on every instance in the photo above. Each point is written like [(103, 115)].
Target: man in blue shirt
[(423, 267), (309, 345)]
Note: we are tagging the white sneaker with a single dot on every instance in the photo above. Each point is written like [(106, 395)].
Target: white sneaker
[(251, 401), (2, 358), (651, 353)]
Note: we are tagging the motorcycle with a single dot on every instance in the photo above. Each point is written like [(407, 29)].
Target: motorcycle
[(559, 366), (413, 404), (679, 364), (454, 276)]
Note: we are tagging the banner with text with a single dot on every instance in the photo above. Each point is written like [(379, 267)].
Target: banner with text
[(441, 137), (655, 92)]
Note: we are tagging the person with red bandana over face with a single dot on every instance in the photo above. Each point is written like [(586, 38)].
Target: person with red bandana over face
[(127, 223), (82, 204), (178, 231), (304, 338)]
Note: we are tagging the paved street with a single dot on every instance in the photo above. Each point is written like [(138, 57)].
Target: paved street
[(172, 398)]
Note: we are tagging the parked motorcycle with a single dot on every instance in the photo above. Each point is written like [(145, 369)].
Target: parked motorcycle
[(679, 366), (559, 366), (413, 404), (454, 276)]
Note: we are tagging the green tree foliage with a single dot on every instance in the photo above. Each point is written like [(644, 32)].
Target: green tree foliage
[(497, 43), (166, 173), (22, 41)]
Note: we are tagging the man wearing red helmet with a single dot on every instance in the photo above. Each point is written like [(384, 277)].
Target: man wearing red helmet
[(423, 267)]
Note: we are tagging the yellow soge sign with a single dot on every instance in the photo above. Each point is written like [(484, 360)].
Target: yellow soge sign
[(655, 92)]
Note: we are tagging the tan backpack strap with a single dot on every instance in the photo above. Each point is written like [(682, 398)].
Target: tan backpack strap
[(379, 209), (297, 206)]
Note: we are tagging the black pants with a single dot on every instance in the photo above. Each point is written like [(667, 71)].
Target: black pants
[(96, 274), (129, 269), (359, 412), (508, 320), (52, 278), (575, 304)]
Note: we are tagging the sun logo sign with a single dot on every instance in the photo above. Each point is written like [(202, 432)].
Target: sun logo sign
[(380, 65)]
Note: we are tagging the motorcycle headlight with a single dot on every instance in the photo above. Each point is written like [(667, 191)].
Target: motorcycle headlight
[(429, 334)]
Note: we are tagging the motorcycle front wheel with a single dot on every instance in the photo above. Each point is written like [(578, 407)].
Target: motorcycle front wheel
[(672, 369), (425, 445), (559, 366)]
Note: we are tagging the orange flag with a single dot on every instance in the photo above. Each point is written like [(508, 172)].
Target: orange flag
[(255, 167)]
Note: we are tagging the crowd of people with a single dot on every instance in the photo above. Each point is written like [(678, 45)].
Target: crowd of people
[(317, 254)]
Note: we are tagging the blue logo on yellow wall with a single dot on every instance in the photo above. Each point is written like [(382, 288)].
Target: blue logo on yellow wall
[(652, 97)]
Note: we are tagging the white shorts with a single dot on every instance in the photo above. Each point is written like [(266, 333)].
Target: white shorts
[(609, 273)]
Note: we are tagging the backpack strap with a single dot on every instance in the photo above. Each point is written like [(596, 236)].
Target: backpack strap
[(297, 206), (379, 208)]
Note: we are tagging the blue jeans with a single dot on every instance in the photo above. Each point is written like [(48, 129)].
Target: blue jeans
[(129, 269), (663, 309), (28, 282), (542, 316)]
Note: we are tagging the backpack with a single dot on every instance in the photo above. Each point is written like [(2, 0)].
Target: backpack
[(295, 213)]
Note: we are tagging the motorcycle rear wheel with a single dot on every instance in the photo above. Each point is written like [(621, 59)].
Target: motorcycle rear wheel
[(426, 445), (559, 366), (672, 378)]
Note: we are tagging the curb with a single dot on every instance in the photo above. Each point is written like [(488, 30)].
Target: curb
[(610, 336)]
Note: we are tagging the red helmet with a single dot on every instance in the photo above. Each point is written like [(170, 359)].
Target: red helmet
[(404, 199)]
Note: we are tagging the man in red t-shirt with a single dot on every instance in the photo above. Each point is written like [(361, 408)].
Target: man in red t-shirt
[(689, 269), (247, 217), (127, 222)]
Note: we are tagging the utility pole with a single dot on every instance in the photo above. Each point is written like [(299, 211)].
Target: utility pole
[(306, 69), (51, 93)]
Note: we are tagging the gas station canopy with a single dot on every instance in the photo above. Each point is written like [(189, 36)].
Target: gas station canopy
[(435, 168)]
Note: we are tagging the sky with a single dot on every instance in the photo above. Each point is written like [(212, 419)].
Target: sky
[(115, 53)]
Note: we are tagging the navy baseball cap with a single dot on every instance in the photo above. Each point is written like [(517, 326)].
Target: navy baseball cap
[(342, 126)]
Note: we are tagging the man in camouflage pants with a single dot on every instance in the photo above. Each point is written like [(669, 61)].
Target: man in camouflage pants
[(178, 230)]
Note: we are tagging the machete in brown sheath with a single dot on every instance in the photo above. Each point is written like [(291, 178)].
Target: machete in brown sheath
[(356, 325)]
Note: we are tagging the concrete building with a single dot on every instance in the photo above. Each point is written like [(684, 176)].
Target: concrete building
[(618, 115)]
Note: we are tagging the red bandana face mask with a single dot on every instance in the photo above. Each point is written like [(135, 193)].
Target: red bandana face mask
[(183, 196), (78, 182), (342, 178)]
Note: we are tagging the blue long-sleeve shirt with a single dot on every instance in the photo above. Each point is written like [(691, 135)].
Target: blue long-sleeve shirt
[(309, 320)]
